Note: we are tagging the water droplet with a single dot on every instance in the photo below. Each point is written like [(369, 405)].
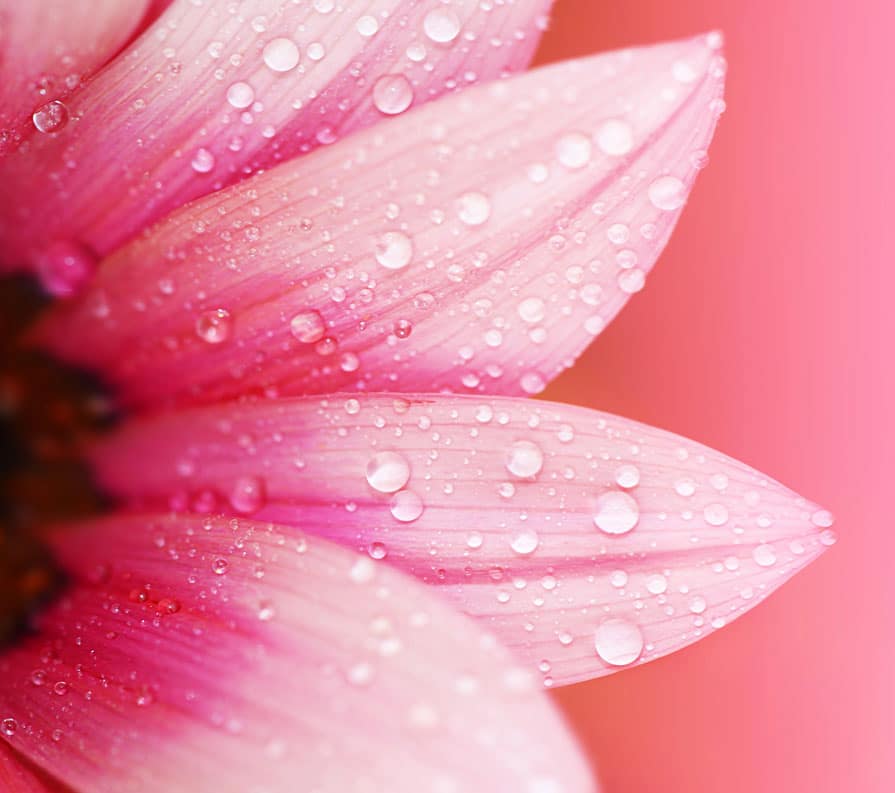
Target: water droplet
[(524, 542), (627, 476), (656, 584), (394, 250), (248, 494), (406, 506), (281, 55), (240, 95), (220, 566), (715, 514), (377, 550), (697, 604), (266, 611), (822, 518), (441, 25), (524, 459), (392, 94), (764, 555), (214, 326), (8, 727), (666, 192), (573, 150), (203, 161), (403, 328), (618, 578), (362, 571), (388, 472), (367, 26), (65, 268), (683, 72), (616, 512), (473, 208), (307, 326), (615, 137), (51, 117), (532, 310), (618, 642)]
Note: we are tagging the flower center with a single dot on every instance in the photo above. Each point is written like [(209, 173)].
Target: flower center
[(46, 410)]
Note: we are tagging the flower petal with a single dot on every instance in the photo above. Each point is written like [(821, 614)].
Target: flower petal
[(548, 522), (210, 654), (448, 250), (212, 92), (17, 775), (47, 49)]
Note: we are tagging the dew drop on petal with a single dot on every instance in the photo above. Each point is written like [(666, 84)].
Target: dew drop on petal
[(367, 26), (248, 494), (406, 506), (627, 476), (240, 95), (307, 326), (392, 94), (473, 208), (618, 642), (203, 161), (214, 326), (524, 542), (615, 137), (616, 512), (764, 555), (394, 250), (281, 55), (388, 472), (715, 514), (441, 25), (666, 192), (656, 584), (524, 459), (531, 310), (51, 117), (573, 150)]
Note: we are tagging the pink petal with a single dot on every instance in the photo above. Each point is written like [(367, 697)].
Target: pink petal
[(546, 521), (47, 47), (17, 775), (293, 282), (211, 93), (197, 654)]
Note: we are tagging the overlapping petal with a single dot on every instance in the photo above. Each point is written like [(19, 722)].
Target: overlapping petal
[(213, 91), (476, 244), (47, 49), (197, 654), (587, 542)]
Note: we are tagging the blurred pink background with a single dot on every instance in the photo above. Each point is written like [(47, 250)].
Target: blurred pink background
[(762, 333)]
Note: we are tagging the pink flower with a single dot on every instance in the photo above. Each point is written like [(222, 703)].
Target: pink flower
[(322, 359)]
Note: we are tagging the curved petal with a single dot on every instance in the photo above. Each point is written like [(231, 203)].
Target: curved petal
[(47, 48), (464, 246), (214, 91), (546, 521), (198, 654), (17, 775)]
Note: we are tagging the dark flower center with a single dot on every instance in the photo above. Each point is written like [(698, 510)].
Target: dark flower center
[(46, 411)]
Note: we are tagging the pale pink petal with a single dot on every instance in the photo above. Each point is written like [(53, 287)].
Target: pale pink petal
[(214, 91), (195, 654), (47, 47), (460, 247), (545, 521)]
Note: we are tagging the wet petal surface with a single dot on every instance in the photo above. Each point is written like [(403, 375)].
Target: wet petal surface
[(476, 244), (588, 542), (230, 655)]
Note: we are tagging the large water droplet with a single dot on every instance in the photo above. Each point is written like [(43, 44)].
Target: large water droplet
[(308, 326), (394, 250), (573, 150), (392, 94), (203, 161), (441, 25), (474, 208), (615, 137), (240, 95), (281, 55), (406, 506), (524, 542), (214, 326), (618, 642), (388, 472), (616, 512), (51, 117), (524, 459)]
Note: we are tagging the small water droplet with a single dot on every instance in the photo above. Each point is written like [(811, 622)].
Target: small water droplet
[(715, 514), (203, 161), (308, 326), (627, 476), (524, 542), (240, 95), (441, 25), (532, 310), (406, 506), (248, 494), (8, 727), (574, 150), (214, 326), (615, 137), (764, 555), (394, 250), (473, 208), (666, 192), (220, 566)]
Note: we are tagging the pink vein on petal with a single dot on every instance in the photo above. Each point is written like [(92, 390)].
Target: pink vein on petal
[(193, 653), (47, 49), (213, 92), (545, 521), (477, 244)]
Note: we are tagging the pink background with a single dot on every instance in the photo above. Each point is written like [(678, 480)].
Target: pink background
[(762, 333)]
